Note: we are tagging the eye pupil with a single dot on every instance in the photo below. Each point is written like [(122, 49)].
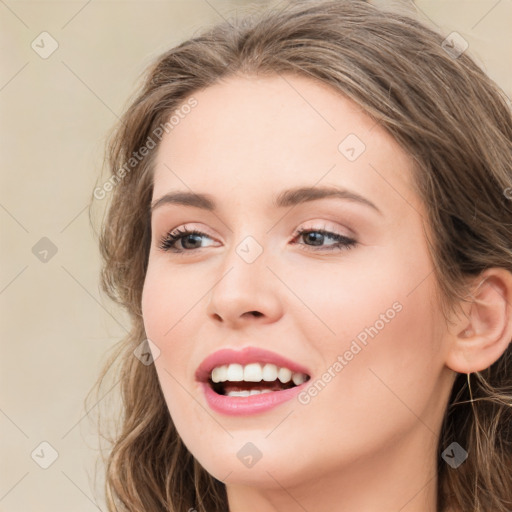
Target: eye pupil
[(194, 237), (315, 237)]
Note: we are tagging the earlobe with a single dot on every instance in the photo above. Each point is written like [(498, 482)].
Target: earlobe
[(484, 333)]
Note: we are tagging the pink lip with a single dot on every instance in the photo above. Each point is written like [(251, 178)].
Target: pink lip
[(243, 357), (244, 405)]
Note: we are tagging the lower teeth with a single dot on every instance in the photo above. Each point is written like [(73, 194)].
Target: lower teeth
[(248, 393)]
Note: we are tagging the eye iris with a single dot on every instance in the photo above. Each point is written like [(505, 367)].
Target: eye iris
[(315, 237), (194, 237)]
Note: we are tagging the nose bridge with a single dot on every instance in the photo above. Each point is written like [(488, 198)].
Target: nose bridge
[(245, 284), (244, 268)]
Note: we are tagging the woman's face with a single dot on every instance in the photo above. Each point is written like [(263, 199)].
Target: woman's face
[(353, 308)]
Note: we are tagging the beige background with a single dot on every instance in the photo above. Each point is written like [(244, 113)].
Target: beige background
[(55, 115)]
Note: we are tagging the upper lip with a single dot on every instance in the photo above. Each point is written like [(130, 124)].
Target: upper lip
[(244, 357)]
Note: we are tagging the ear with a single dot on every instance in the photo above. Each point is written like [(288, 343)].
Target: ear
[(484, 332)]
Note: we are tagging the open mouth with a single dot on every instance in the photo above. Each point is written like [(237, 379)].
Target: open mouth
[(253, 379)]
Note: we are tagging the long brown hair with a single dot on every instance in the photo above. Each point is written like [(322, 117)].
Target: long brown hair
[(446, 114)]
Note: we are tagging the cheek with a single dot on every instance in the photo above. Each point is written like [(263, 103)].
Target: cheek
[(167, 312), (351, 298), (392, 357), (168, 297), (155, 304), (382, 368), (378, 316)]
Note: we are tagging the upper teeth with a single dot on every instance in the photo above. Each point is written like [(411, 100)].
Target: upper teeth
[(255, 372)]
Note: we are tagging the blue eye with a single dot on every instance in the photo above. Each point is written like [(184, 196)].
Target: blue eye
[(190, 240)]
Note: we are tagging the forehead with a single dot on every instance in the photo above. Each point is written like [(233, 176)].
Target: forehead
[(281, 131)]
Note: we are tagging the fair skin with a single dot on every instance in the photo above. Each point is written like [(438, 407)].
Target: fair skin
[(368, 440)]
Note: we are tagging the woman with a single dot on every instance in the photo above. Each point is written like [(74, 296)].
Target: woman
[(310, 225)]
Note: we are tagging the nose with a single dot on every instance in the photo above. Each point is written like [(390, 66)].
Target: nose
[(245, 293)]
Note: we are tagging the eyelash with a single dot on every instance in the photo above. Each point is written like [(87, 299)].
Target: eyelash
[(167, 243)]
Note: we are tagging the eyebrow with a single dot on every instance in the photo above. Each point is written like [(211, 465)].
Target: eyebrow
[(286, 198)]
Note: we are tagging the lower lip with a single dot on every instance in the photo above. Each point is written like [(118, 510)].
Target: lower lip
[(245, 405)]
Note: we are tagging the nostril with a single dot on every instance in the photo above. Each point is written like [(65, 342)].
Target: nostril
[(256, 313)]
